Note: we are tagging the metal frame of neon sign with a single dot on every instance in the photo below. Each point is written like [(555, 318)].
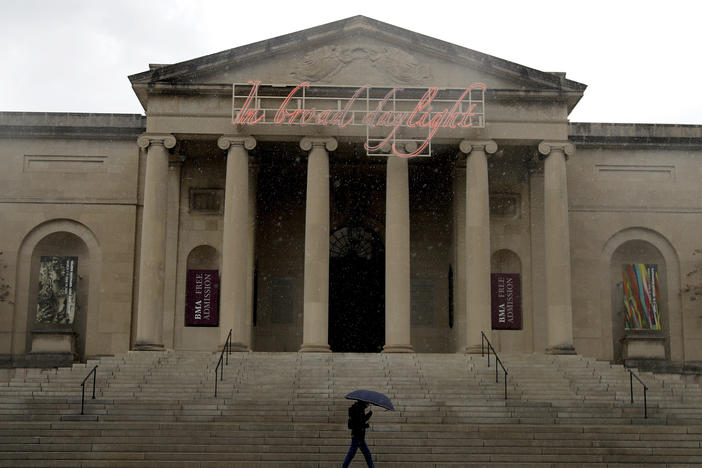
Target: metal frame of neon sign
[(386, 113)]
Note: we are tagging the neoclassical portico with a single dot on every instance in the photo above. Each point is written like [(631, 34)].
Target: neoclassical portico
[(237, 252), (304, 130)]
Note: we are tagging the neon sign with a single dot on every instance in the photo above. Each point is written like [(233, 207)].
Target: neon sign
[(386, 113)]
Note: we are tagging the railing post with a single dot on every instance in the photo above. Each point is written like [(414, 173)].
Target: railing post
[(483, 340), (94, 377), (228, 346), (223, 359), (631, 386), (645, 405), (82, 388)]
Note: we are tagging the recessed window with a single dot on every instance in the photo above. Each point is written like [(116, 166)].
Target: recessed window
[(505, 205), (206, 201)]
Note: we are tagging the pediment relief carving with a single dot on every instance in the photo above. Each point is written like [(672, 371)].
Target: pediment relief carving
[(328, 61)]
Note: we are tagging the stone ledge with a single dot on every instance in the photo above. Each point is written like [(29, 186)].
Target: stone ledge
[(71, 125), (630, 134)]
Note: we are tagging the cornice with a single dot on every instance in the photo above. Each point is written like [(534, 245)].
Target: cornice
[(71, 125)]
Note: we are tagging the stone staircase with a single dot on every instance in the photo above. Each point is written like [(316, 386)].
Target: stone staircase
[(288, 410)]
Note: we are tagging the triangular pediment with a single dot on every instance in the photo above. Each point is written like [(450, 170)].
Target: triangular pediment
[(353, 52)]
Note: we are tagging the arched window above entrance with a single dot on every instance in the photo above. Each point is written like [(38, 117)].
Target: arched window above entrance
[(352, 240)]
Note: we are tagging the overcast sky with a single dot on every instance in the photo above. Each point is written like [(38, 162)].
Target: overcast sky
[(640, 59)]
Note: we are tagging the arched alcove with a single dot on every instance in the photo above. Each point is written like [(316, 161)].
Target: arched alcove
[(203, 257), (505, 261), (57, 299), (193, 331), (506, 284), (653, 256), (638, 271)]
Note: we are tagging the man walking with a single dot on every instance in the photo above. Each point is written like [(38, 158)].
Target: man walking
[(358, 422)]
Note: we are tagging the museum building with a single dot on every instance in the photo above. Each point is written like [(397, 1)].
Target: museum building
[(353, 187)]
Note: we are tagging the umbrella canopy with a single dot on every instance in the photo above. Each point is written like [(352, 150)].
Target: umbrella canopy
[(374, 398)]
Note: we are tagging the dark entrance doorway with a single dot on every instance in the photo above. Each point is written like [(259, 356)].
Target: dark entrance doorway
[(356, 291)]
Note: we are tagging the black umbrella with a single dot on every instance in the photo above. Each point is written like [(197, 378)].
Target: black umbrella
[(374, 398)]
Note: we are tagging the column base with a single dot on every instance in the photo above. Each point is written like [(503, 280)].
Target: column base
[(474, 349), (561, 349), (397, 349), (149, 347), (313, 348)]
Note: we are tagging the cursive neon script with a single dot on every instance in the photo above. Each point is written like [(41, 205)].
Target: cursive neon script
[(421, 116)]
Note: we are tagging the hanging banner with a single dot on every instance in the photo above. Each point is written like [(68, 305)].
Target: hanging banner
[(202, 298), (641, 296), (506, 301), (56, 300)]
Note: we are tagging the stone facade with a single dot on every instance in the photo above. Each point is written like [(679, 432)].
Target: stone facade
[(323, 248)]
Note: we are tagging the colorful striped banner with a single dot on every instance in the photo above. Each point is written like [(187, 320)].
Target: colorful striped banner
[(641, 296)]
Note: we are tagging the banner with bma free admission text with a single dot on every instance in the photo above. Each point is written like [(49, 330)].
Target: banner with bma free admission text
[(202, 298), (506, 301)]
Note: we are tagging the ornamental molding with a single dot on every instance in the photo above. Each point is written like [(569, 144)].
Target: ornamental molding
[(330, 144), (227, 141), (165, 139), (326, 62), (546, 147), (487, 146)]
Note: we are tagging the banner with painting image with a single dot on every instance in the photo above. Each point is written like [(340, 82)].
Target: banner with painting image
[(56, 299), (641, 296)]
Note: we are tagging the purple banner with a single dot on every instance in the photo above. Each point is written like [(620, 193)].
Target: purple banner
[(506, 301), (202, 298)]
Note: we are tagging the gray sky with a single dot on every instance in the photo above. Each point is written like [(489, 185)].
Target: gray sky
[(640, 59)]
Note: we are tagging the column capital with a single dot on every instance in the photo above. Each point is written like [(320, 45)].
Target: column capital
[(147, 139), (547, 146), (226, 141), (488, 146), (329, 143)]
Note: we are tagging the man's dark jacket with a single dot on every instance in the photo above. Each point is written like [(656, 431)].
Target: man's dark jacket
[(358, 420)]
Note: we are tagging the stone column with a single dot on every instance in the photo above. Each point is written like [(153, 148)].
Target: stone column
[(315, 336), (251, 264), (459, 271), (235, 244), (477, 246), (172, 227), (153, 242), (559, 312), (397, 258)]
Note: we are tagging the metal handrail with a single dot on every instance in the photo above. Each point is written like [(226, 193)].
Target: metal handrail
[(228, 348), (631, 390), (483, 340), (82, 394)]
